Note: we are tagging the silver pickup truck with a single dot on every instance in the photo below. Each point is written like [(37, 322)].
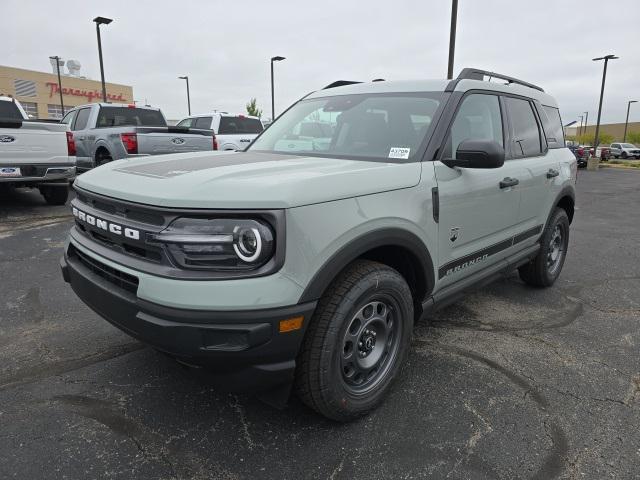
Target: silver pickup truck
[(106, 131)]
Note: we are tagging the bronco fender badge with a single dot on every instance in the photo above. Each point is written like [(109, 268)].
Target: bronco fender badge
[(454, 234), (7, 139)]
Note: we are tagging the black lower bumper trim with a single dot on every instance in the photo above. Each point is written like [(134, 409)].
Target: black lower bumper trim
[(244, 349)]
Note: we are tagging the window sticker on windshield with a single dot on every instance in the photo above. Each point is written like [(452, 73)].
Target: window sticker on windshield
[(398, 152)]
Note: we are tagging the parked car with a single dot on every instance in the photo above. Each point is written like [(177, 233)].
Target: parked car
[(277, 267), (625, 150), (602, 152), (581, 153), (108, 131), (234, 132), (35, 154)]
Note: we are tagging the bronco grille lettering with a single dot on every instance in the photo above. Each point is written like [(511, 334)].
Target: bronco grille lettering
[(105, 225)]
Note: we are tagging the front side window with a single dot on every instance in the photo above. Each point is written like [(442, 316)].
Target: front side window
[(628, 145), (478, 118), (187, 123), (362, 126), (526, 135), (82, 119), (203, 122)]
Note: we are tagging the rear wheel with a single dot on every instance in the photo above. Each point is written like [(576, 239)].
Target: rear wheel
[(103, 156), (624, 155), (55, 195), (357, 341), (545, 268)]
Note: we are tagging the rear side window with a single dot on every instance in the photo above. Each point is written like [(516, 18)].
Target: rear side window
[(552, 126), (526, 134), (478, 118), (81, 119), (68, 118), (203, 122), (9, 110), (187, 122), (125, 116), (242, 125)]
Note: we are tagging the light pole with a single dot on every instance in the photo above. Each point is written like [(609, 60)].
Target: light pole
[(102, 21), (580, 128), (452, 37), (57, 59), (273, 108), (586, 119), (596, 140), (626, 123), (186, 78)]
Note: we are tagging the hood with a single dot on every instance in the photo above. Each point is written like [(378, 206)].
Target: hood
[(244, 179)]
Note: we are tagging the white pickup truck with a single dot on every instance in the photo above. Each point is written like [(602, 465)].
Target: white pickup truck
[(233, 132), (35, 154)]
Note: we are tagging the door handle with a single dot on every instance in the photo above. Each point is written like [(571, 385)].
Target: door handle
[(509, 182), (80, 138), (552, 173)]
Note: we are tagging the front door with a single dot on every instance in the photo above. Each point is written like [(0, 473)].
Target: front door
[(478, 208)]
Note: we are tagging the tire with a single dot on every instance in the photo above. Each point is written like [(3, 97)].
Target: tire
[(55, 195), (356, 343), (102, 157), (624, 155), (545, 268)]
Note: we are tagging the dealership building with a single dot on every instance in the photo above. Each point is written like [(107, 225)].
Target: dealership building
[(39, 92)]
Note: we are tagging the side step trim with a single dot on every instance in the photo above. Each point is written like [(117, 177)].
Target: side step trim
[(452, 293)]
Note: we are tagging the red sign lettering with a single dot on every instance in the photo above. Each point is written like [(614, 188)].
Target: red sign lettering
[(89, 94)]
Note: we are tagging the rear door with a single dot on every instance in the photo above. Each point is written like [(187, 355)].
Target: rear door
[(81, 135), (478, 216), (539, 174)]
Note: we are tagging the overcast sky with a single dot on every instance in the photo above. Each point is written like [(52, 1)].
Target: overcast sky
[(225, 46)]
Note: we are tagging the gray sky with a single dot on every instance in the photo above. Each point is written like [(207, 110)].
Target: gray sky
[(225, 46)]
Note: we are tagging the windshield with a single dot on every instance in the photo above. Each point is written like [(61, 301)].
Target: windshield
[(129, 116), (628, 145), (239, 125), (367, 126)]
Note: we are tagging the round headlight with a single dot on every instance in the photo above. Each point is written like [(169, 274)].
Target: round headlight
[(248, 245)]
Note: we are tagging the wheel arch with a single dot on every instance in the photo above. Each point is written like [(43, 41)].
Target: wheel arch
[(397, 248), (567, 201)]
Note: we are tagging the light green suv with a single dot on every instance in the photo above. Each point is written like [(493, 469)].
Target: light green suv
[(305, 260)]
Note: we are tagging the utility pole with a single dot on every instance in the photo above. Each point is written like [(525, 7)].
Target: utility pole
[(57, 59), (101, 21), (452, 37)]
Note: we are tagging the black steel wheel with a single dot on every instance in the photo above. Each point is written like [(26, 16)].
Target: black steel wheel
[(356, 342), (545, 268)]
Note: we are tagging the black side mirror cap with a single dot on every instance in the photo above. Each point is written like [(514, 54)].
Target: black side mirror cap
[(477, 154)]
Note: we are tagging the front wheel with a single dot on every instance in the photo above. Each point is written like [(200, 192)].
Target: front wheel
[(624, 155), (545, 268), (357, 341)]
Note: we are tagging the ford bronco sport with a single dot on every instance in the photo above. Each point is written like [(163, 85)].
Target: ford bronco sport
[(304, 263)]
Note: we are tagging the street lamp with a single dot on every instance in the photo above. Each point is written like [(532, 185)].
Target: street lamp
[(626, 123), (273, 108), (452, 37), (586, 119), (186, 77), (580, 127), (596, 139), (101, 21), (57, 59)]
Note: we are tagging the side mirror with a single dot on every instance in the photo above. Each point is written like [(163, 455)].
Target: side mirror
[(477, 154)]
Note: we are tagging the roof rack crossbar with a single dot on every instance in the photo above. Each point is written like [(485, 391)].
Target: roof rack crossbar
[(477, 74)]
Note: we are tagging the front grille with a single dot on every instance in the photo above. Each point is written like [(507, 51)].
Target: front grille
[(116, 277)]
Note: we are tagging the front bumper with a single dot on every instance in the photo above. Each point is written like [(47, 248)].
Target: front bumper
[(244, 350)]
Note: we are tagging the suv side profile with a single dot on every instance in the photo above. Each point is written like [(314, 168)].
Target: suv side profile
[(624, 150), (304, 263)]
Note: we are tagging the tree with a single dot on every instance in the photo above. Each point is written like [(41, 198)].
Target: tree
[(588, 139), (252, 109), (633, 137)]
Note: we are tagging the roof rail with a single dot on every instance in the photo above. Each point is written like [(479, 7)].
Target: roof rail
[(478, 74), (340, 83)]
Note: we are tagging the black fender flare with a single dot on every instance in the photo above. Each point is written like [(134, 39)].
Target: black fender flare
[(392, 237), (567, 191)]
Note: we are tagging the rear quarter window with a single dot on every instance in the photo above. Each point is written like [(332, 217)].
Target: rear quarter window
[(552, 125), (125, 116)]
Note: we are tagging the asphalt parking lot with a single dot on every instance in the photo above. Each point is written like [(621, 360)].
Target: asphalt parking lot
[(509, 383)]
